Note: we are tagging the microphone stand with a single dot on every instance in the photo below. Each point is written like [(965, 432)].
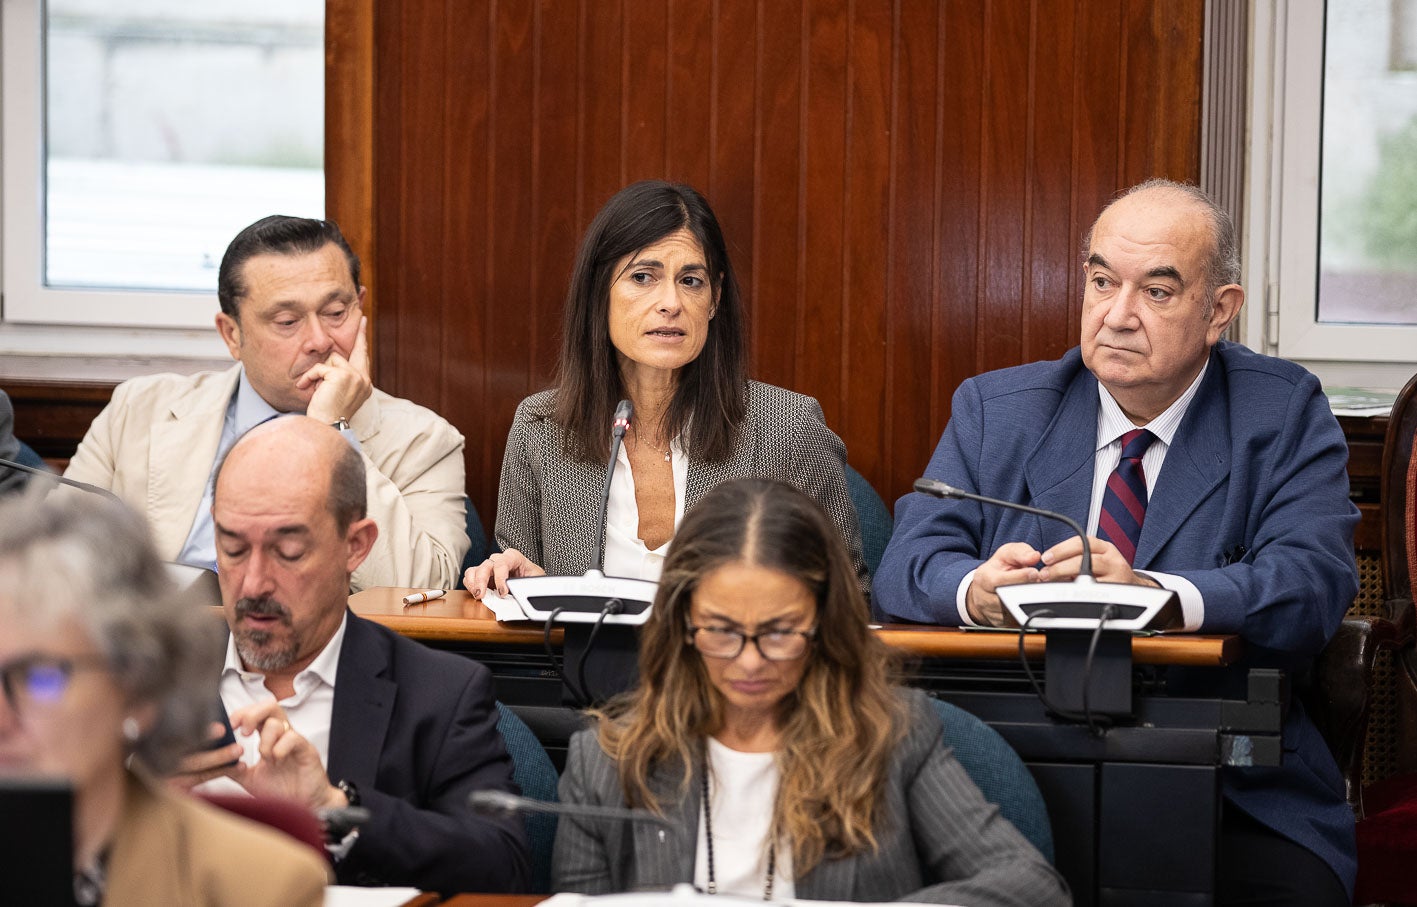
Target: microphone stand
[(1088, 625), (592, 598)]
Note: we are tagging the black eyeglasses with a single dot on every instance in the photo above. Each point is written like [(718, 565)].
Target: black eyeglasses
[(39, 680), (774, 645)]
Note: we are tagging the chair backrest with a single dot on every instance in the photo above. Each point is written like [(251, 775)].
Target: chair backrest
[(1399, 478), (999, 773), (536, 776), (873, 515), (477, 536), (282, 815), (27, 457)]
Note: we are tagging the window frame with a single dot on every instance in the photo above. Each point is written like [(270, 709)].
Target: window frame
[(1282, 233)]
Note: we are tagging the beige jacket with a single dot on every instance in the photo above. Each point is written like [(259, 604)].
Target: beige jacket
[(154, 444), (176, 850)]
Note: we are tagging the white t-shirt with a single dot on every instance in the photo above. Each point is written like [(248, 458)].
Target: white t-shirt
[(742, 790)]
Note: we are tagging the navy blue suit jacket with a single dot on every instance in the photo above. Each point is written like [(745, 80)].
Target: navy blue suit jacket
[(415, 730), (1251, 506)]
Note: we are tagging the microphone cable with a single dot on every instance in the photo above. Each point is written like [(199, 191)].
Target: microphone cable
[(1097, 725), (557, 665), (612, 606)]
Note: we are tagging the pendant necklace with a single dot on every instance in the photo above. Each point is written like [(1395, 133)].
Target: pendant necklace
[(712, 887)]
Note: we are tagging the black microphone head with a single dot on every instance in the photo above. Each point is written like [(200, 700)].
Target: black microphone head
[(935, 488), (624, 410)]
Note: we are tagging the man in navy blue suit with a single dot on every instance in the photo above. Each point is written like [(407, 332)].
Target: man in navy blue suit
[(1244, 513)]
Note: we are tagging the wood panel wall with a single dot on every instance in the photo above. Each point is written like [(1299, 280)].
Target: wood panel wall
[(904, 185)]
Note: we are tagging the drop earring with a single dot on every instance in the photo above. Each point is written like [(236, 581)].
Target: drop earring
[(131, 731)]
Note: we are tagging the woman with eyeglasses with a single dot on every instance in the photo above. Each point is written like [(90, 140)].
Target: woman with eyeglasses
[(107, 680), (767, 732)]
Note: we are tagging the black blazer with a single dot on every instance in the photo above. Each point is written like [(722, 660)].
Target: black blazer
[(415, 730)]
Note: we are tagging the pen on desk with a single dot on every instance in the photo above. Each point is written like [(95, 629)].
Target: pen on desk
[(419, 598)]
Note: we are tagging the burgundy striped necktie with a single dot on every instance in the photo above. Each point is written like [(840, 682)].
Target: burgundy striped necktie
[(1124, 503)]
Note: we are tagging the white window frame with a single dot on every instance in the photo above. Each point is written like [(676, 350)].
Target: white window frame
[(1281, 239), (36, 319)]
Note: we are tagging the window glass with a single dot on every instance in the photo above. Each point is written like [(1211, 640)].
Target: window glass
[(1368, 214), (170, 125)]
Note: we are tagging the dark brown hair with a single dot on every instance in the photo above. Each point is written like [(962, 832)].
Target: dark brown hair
[(278, 234), (708, 403)]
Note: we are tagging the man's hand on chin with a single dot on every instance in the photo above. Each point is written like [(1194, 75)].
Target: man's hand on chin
[(341, 385)]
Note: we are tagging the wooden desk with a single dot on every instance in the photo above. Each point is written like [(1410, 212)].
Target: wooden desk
[(459, 618), (1103, 792)]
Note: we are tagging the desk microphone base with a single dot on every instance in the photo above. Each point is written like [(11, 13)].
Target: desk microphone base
[(1109, 677)]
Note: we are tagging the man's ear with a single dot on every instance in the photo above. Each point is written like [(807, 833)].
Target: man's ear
[(1225, 306), (359, 540), (230, 330)]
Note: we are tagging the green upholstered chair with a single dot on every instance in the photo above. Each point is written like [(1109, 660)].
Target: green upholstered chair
[(536, 776), (1000, 774)]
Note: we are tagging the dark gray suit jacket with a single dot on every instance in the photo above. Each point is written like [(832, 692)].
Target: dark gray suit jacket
[(940, 841), (547, 504)]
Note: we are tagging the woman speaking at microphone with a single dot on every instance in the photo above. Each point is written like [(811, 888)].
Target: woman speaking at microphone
[(766, 731), (653, 315)]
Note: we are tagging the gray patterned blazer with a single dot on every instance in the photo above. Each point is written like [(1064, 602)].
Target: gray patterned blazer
[(940, 841), (547, 504)]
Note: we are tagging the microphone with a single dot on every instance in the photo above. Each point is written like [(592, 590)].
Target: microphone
[(939, 489), (619, 424), (73, 483), (1078, 604), (501, 803)]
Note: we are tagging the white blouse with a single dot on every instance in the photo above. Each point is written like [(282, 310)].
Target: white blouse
[(625, 553)]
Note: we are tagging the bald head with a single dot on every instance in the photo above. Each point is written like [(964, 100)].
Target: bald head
[(288, 513), (1222, 264), (297, 449)]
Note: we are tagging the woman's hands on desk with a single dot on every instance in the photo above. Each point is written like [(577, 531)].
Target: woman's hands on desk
[(496, 570)]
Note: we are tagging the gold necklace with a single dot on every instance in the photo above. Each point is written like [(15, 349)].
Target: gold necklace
[(659, 450)]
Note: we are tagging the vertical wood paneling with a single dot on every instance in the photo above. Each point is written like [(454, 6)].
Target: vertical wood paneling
[(959, 189), (823, 360), (464, 327), (904, 185), (875, 334), (776, 296)]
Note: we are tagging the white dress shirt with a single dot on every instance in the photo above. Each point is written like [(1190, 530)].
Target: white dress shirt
[(1112, 423), (309, 710), (625, 553)]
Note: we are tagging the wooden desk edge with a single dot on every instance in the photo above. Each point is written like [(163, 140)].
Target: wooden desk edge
[(948, 642), (448, 620)]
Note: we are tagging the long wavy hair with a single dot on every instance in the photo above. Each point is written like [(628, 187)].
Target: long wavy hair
[(708, 403), (838, 728)]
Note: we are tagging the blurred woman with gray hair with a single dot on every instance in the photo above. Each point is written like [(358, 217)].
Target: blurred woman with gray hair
[(108, 679)]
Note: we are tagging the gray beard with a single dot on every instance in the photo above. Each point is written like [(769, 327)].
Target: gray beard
[(254, 646)]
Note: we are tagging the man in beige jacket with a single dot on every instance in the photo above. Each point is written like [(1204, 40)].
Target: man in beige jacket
[(291, 315)]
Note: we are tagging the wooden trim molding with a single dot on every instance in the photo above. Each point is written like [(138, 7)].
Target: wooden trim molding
[(349, 133)]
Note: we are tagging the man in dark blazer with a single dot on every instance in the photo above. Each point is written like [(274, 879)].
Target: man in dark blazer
[(1246, 512), (332, 710)]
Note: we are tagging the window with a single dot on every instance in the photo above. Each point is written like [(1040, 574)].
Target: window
[(1333, 247), (139, 137)]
